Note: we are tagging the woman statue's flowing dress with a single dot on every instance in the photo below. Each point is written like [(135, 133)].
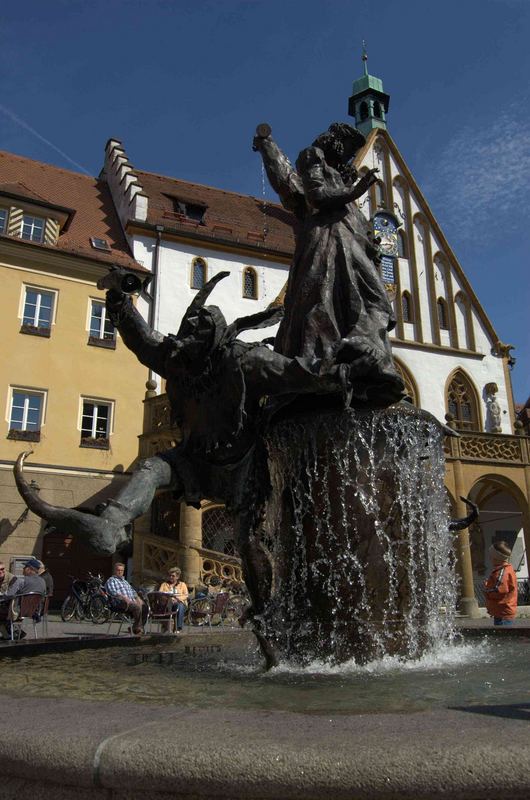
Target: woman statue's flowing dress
[(337, 314)]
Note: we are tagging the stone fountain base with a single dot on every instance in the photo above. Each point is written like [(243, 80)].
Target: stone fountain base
[(75, 750), (357, 529)]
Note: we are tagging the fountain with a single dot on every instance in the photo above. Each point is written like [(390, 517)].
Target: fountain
[(335, 484)]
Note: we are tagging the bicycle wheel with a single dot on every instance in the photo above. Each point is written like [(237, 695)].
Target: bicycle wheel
[(98, 610), (68, 608), (81, 608), (200, 611)]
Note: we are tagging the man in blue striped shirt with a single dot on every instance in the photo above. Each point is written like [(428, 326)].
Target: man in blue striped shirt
[(125, 599)]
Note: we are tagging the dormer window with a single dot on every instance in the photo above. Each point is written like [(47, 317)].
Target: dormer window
[(191, 211), (27, 216), (32, 228)]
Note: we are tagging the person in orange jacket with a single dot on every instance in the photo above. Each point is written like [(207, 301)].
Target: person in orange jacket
[(501, 587)]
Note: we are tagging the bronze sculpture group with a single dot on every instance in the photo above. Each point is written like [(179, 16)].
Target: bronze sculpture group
[(332, 348)]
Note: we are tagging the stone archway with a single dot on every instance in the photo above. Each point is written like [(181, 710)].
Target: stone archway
[(503, 515)]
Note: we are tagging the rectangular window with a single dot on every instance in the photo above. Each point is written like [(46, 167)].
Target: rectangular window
[(25, 418), (32, 228), (101, 328), (95, 424), (3, 220), (38, 310)]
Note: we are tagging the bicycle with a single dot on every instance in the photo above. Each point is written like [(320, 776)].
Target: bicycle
[(78, 602), (219, 609)]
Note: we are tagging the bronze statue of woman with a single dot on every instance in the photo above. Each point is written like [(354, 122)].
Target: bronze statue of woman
[(337, 314)]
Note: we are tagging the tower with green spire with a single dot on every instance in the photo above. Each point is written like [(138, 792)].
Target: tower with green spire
[(368, 103)]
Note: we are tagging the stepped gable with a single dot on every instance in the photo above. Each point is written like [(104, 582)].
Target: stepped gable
[(87, 199), (228, 216)]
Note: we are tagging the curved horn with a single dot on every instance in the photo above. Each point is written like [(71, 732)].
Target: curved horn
[(186, 325), (202, 295), (465, 522), (96, 531)]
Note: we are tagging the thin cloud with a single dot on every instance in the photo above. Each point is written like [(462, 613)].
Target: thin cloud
[(31, 130), (483, 175)]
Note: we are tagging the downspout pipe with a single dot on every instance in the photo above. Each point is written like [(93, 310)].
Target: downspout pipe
[(152, 294)]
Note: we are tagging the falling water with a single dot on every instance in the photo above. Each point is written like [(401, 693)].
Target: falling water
[(357, 529)]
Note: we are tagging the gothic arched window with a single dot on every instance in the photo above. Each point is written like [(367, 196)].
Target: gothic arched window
[(364, 110), (377, 109), (408, 380), (402, 244), (250, 283), (441, 307), (406, 307), (198, 273), (462, 402)]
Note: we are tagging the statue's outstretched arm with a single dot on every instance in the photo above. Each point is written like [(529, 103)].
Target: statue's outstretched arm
[(149, 346), (319, 191), (282, 176)]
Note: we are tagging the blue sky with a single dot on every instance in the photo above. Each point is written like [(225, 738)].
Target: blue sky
[(183, 85)]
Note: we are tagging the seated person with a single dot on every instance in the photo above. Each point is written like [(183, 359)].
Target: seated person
[(46, 576), (29, 582), (125, 599), (178, 588), (6, 578)]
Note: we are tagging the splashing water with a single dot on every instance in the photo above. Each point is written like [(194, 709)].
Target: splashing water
[(357, 529)]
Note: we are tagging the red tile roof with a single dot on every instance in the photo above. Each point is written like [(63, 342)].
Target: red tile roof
[(229, 216), (88, 197)]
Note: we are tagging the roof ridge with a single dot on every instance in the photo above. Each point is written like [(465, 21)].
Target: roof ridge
[(45, 164)]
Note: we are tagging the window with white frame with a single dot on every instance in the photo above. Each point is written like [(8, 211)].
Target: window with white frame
[(26, 413), (95, 423), (32, 228), (38, 308), (101, 328), (3, 220)]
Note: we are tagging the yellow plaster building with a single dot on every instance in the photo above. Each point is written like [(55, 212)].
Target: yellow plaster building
[(70, 389)]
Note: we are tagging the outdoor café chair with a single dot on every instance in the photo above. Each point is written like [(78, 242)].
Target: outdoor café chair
[(160, 606), (120, 617), (23, 606)]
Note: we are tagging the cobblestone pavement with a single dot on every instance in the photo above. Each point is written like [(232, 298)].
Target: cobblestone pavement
[(58, 629)]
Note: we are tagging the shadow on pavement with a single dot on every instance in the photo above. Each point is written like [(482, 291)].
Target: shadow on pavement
[(512, 711)]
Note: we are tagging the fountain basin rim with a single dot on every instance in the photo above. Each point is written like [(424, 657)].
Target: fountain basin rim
[(435, 754)]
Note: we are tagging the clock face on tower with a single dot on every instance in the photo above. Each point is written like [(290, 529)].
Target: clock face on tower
[(385, 229)]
